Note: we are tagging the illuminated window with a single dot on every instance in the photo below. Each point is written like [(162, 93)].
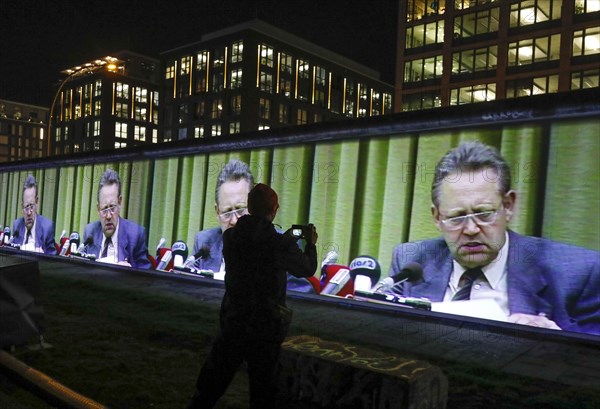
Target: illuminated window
[(285, 87), (472, 94), (185, 65), (97, 108), (182, 113), (155, 136), (264, 108), (202, 61), (141, 95), (528, 12), (531, 86), (237, 49), (465, 4), (320, 75), (170, 70), (425, 34), (96, 128), (266, 55), (418, 9), (263, 127), (120, 130), (199, 132), (122, 109), (301, 117), (122, 90), (586, 6), (285, 63), (586, 42), (534, 50), (119, 145), (139, 133), (215, 130), (303, 69), (423, 69), (219, 58), (585, 79), (350, 100), (266, 82), (98, 88), (236, 78), (476, 23), (480, 59), (141, 113), (234, 127)]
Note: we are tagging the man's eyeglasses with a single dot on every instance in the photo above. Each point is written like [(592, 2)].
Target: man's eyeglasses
[(481, 219), (226, 216), (29, 208), (111, 210)]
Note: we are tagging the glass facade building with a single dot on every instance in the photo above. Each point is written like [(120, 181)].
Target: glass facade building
[(254, 76), (106, 104), (457, 52), (22, 131)]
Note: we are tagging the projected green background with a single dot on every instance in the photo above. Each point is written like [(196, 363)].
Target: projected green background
[(364, 195)]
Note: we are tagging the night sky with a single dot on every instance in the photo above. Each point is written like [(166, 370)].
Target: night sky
[(41, 38)]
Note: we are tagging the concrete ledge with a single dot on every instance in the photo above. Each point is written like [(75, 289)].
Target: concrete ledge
[(335, 375)]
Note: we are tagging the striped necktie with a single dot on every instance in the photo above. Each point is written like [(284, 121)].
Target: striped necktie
[(107, 242), (468, 277)]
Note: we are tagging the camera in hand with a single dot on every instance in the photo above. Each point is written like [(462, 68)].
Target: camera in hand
[(302, 231)]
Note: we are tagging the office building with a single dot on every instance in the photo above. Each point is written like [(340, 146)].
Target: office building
[(108, 103), (22, 131), (457, 52), (254, 76)]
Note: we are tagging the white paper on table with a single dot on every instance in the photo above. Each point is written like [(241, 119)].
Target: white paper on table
[(28, 247), (485, 308)]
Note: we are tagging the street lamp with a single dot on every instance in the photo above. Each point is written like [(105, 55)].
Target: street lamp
[(107, 63)]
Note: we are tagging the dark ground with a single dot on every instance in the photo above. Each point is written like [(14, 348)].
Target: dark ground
[(129, 345)]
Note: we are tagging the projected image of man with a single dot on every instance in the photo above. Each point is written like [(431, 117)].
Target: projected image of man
[(114, 239), (534, 281), (33, 231)]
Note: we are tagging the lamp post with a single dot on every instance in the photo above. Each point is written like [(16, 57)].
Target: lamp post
[(108, 63)]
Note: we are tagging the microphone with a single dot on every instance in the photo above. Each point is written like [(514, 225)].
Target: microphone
[(330, 258), (165, 255), (339, 281), (65, 247), (83, 248), (180, 253), (6, 236), (62, 236), (365, 271), (73, 242), (412, 271), (161, 244)]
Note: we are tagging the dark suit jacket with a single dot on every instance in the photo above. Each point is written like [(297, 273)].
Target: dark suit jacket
[(44, 233), (543, 277), (212, 241), (132, 242)]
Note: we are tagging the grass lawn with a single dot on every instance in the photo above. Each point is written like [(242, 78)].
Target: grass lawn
[(142, 348)]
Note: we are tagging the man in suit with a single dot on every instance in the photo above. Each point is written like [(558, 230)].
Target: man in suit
[(234, 182), (33, 230), (535, 281), (114, 239), (231, 196)]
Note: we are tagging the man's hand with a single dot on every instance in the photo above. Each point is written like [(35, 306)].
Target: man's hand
[(540, 321), (313, 234)]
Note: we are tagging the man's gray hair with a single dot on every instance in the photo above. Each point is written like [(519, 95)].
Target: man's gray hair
[(109, 177), (233, 171), (469, 156), (30, 182)]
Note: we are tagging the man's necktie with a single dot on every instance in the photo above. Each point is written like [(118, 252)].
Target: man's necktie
[(107, 242), (467, 279), (27, 237)]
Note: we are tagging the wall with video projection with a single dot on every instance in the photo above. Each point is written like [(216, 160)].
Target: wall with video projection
[(364, 184)]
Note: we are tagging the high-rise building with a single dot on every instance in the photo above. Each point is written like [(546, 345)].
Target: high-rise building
[(453, 52), (104, 104), (22, 131), (254, 76)]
